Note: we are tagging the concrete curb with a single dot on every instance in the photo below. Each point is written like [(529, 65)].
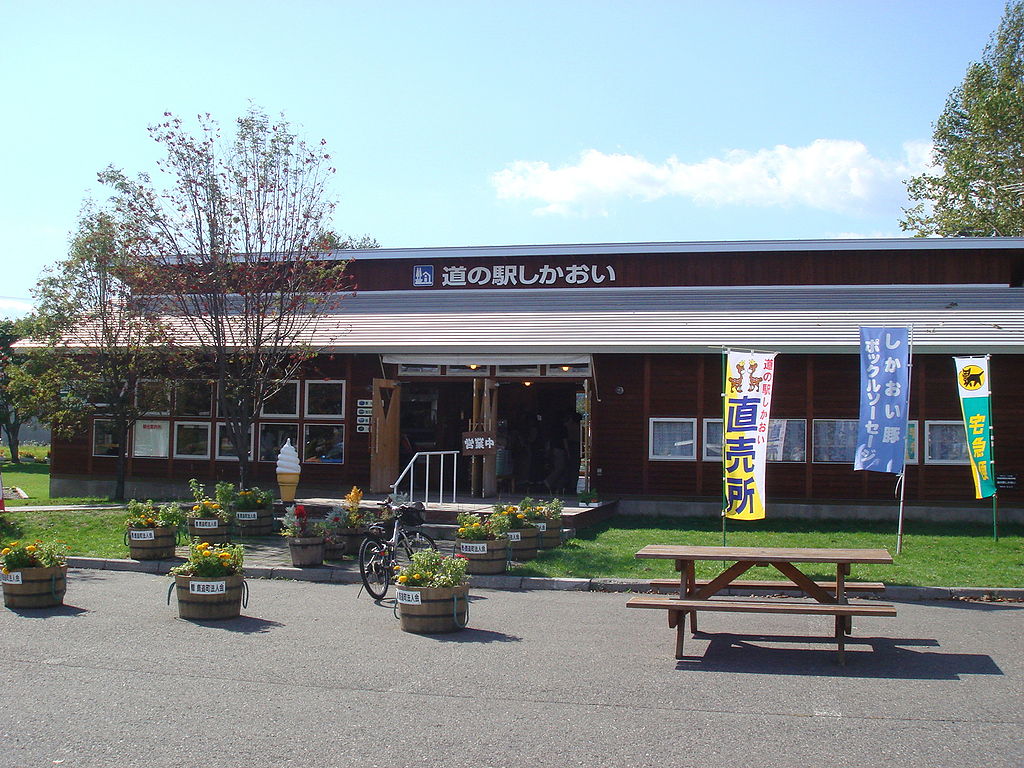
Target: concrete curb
[(894, 592)]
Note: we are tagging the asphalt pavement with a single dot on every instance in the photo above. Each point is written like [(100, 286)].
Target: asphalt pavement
[(315, 674)]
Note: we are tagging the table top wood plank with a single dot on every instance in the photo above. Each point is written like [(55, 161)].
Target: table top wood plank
[(765, 554)]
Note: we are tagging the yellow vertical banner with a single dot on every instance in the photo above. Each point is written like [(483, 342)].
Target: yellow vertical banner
[(749, 382)]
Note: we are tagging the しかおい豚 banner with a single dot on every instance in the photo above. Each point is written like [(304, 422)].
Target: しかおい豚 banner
[(884, 399)]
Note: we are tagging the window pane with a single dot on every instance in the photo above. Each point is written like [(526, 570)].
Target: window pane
[(154, 396), (835, 440), (284, 402), (104, 443), (324, 444), (151, 439), (672, 439), (325, 398), (946, 443), (712, 439), (225, 450), (787, 440), (273, 436), (193, 398), (192, 441)]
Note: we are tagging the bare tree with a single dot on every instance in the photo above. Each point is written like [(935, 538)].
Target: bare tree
[(237, 248)]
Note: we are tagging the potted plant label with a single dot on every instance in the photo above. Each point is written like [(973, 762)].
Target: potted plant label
[(151, 531), (34, 574), (432, 594), (483, 543), (208, 520), (305, 539), (253, 509), (521, 533), (209, 585)]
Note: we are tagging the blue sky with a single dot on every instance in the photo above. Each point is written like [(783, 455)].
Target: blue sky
[(490, 123)]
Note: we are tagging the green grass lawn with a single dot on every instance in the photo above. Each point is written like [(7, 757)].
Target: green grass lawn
[(87, 533), (34, 479), (934, 554)]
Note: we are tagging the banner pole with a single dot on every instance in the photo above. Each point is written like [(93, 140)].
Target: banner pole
[(725, 375), (899, 526), (992, 456), (906, 436)]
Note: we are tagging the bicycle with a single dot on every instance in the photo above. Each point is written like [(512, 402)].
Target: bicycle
[(383, 549)]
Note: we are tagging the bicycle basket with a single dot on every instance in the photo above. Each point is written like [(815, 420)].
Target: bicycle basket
[(411, 514)]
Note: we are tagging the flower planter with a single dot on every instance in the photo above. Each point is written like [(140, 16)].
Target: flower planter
[(209, 599), (255, 522), (306, 551), (344, 541), (35, 587), (549, 533), (484, 557), (433, 610), (522, 543), (155, 543), (211, 529)]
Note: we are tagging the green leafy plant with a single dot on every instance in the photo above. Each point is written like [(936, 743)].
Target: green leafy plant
[(204, 506), (589, 497), (517, 519), (474, 528), (541, 510), (207, 560), (33, 554), (146, 514), (429, 568), (296, 523)]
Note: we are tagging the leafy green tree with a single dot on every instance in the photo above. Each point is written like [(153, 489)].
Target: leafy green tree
[(17, 404), (239, 244), (94, 340), (977, 187)]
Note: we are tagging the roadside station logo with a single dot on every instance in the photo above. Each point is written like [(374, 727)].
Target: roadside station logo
[(423, 275)]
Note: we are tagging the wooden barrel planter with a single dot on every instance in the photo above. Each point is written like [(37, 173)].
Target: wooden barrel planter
[(485, 557), (35, 587), (209, 599), (550, 533), (210, 529), (255, 522), (522, 544), (306, 551), (347, 541), (151, 543), (433, 610)]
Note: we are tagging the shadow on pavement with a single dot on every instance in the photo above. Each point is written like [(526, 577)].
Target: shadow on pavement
[(246, 625), (470, 635), (885, 658), (49, 613)]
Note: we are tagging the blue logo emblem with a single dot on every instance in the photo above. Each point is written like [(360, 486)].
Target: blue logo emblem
[(423, 275)]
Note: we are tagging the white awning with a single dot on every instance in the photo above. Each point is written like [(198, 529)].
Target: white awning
[(487, 359)]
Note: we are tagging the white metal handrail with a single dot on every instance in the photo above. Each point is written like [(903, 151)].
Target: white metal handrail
[(410, 471)]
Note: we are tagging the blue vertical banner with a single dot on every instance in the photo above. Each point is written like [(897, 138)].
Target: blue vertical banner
[(884, 399)]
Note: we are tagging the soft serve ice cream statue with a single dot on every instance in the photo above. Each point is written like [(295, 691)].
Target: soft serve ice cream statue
[(288, 470)]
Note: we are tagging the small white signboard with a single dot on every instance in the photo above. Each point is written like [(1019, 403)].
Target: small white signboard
[(147, 535), (469, 548), (362, 427), (364, 403), (515, 536), (364, 411), (362, 419), (207, 587), (246, 514), (541, 527), (202, 523), (14, 577), (409, 598)]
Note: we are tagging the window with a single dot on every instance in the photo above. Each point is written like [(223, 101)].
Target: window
[(834, 441), (284, 402), (574, 369), (672, 440), (468, 370), (408, 369), (273, 436), (104, 441), (912, 443), (151, 439), (153, 395), (945, 443), (519, 370), (191, 440), (325, 399), (324, 444), (193, 398), (787, 440), (225, 450)]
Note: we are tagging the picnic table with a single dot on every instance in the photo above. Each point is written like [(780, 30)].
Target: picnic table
[(829, 597)]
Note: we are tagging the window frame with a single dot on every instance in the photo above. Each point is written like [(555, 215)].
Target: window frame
[(325, 416), (92, 441), (170, 397), (189, 456), (135, 441), (814, 443), (653, 420), (333, 425), (211, 397), (928, 424), (293, 424), (217, 453), (292, 415)]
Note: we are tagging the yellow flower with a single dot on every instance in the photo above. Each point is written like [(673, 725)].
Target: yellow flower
[(4, 570), (14, 543), (5, 550), (195, 508), (224, 555), (402, 579), (205, 552), (521, 516), (31, 548), (416, 576), (462, 530)]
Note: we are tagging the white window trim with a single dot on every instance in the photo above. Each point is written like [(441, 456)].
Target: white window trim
[(669, 419), (717, 459), (216, 438), (153, 413), (92, 440), (927, 441), (186, 456), (302, 436), (167, 445), (298, 434), (294, 414), (212, 405), (325, 416), (704, 442)]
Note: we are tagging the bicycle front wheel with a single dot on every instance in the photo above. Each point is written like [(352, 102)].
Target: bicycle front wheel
[(375, 566)]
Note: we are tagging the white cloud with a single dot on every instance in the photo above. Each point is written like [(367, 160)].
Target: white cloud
[(827, 174), (14, 308)]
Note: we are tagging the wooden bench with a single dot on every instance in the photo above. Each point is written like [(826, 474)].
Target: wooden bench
[(678, 608), (851, 586)]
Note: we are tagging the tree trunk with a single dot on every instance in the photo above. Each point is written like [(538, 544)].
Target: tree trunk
[(12, 430), (122, 465)]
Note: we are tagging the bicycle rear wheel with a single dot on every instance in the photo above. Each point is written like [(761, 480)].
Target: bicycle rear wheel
[(412, 542), (375, 566)]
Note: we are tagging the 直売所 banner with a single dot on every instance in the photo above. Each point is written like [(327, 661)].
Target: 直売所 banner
[(973, 386), (884, 399), (749, 381)]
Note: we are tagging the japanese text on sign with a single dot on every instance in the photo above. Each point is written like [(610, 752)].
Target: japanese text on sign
[(207, 587), (506, 275), (748, 397), (884, 399), (479, 444)]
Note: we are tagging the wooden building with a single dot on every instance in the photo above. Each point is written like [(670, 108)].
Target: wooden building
[(614, 352)]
